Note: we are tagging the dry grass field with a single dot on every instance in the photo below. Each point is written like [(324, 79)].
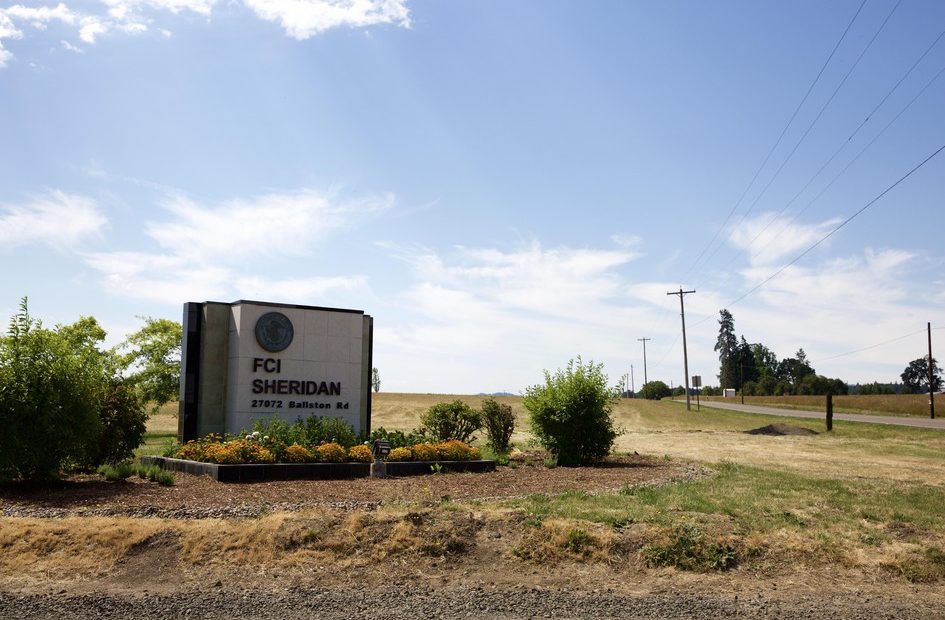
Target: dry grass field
[(881, 404)]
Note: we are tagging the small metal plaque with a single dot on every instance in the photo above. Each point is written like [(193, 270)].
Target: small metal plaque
[(274, 331)]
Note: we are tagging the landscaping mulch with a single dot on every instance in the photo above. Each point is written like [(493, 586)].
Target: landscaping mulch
[(202, 497)]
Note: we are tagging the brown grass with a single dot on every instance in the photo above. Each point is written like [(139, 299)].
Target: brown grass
[(61, 548)]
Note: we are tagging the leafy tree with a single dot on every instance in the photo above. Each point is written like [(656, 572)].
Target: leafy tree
[(727, 348), (375, 380), (794, 369), (570, 413), (915, 377), (765, 361), (655, 390), (154, 354)]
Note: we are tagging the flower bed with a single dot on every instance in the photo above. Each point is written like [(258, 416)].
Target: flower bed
[(255, 457), (257, 449)]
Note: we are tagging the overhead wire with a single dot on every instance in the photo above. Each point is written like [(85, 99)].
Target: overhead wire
[(847, 143), (861, 152), (878, 344), (832, 231), (777, 142), (820, 113)]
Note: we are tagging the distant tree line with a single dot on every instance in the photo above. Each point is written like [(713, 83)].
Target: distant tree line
[(755, 370)]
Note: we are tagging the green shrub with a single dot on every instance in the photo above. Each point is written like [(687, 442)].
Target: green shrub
[(655, 390), (455, 420), (570, 413), (51, 387), (122, 419), (499, 422), (330, 430), (115, 472), (163, 478), (398, 439)]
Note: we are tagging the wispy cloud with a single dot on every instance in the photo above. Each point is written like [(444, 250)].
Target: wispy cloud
[(203, 247), (56, 219), (241, 228), (769, 238)]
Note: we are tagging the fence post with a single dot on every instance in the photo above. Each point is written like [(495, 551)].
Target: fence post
[(829, 412)]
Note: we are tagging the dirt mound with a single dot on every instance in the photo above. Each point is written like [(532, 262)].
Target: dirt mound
[(780, 430)]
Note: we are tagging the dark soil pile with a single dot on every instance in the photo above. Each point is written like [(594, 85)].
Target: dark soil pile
[(779, 430)]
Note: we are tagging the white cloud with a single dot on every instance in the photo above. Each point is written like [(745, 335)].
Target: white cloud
[(528, 307), (242, 228), (57, 219), (203, 247), (91, 28), (303, 19), (552, 281), (769, 238), (296, 290), (39, 17), (8, 30)]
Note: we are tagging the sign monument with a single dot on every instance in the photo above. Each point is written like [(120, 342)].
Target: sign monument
[(250, 360)]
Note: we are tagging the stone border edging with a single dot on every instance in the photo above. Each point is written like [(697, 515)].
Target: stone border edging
[(308, 471)]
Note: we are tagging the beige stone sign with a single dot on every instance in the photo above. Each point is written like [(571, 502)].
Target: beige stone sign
[(249, 360)]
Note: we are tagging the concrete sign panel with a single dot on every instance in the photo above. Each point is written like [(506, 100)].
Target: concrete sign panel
[(249, 360)]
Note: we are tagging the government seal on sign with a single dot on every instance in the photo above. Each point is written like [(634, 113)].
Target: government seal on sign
[(274, 331)]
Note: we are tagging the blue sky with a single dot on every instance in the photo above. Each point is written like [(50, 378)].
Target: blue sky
[(502, 185)]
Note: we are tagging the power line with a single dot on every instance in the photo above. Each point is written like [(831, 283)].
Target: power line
[(823, 109), (853, 135), (780, 137), (878, 344), (832, 232), (861, 152)]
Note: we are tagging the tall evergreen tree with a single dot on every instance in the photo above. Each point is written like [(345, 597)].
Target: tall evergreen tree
[(727, 348)]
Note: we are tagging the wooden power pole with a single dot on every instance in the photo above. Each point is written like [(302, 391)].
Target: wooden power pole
[(682, 313), (931, 376), (643, 340)]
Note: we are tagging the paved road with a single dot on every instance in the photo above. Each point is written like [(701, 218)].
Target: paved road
[(938, 422)]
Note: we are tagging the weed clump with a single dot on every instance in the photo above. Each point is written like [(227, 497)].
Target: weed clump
[(689, 549)]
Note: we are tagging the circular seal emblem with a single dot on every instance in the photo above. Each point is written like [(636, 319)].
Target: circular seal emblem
[(274, 331)]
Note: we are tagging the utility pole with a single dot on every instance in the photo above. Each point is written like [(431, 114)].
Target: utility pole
[(931, 377), (643, 340), (632, 388), (682, 313)]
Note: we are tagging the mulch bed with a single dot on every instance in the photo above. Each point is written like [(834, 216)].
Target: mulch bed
[(194, 495)]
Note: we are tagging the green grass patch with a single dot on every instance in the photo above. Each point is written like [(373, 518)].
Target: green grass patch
[(155, 443)]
